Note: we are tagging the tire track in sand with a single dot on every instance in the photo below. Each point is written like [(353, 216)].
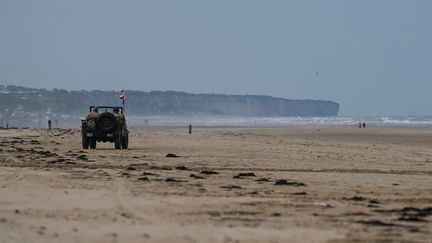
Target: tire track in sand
[(17, 173), (10, 235), (120, 192)]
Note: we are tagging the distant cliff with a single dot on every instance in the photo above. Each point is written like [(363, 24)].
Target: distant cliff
[(179, 103), (16, 101)]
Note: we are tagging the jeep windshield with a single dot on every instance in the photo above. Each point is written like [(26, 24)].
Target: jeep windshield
[(106, 108)]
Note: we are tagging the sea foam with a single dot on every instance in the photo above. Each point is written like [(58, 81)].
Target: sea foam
[(402, 121)]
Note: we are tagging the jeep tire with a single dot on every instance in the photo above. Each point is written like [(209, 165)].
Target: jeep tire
[(85, 141), (125, 141), (106, 122), (117, 141), (92, 143)]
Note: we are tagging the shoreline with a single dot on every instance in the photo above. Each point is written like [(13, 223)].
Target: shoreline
[(378, 121)]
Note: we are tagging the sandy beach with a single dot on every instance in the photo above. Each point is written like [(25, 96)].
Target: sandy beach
[(225, 184)]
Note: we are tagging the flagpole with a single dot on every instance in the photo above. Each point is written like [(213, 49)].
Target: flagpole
[(122, 98)]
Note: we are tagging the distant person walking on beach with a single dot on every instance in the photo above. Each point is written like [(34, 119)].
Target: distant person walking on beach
[(364, 124), (49, 124)]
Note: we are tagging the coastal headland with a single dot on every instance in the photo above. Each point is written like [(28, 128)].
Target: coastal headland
[(29, 107)]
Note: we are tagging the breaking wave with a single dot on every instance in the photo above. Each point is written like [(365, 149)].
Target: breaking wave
[(401, 121)]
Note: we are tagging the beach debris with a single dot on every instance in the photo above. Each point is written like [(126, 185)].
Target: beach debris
[(268, 192), (45, 153), (143, 178), (209, 172), (149, 174), (246, 174), (299, 193), (356, 214), (419, 211), (356, 198), (196, 176), (374, 201), (231, 187), (131, 168), (414, 219), (255, 192), (240, 175), (409, 213), (284, 182), (138, 164), (57, 161), (375, 222), (102, 173), (181, 167), (172, 179), (372, 206), (322, 205), (83, 157), (171, 156), (160, 168)]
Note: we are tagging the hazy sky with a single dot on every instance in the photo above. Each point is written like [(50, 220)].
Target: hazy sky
[(373, 57)]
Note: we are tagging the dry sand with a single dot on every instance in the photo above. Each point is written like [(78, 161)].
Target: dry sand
[(299, 184)]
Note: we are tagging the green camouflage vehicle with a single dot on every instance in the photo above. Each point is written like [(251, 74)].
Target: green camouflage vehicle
[(105, 124)]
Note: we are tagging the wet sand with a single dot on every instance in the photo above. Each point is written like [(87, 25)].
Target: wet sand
[(226, 184)]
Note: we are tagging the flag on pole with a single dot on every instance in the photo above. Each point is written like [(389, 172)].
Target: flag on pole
[(122, 96)]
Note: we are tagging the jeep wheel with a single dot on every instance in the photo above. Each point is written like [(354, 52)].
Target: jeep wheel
[(125, 141), (92, 143), (106, 122), (117, 142), (85, 141)]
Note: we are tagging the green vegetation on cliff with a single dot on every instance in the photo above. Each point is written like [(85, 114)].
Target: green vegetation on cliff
[(75, 103)]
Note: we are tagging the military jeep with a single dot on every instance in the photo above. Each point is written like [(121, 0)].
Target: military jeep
[(105, 124)]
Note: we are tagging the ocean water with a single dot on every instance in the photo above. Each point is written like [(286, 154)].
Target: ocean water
[(385, 121), (396, 121)]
